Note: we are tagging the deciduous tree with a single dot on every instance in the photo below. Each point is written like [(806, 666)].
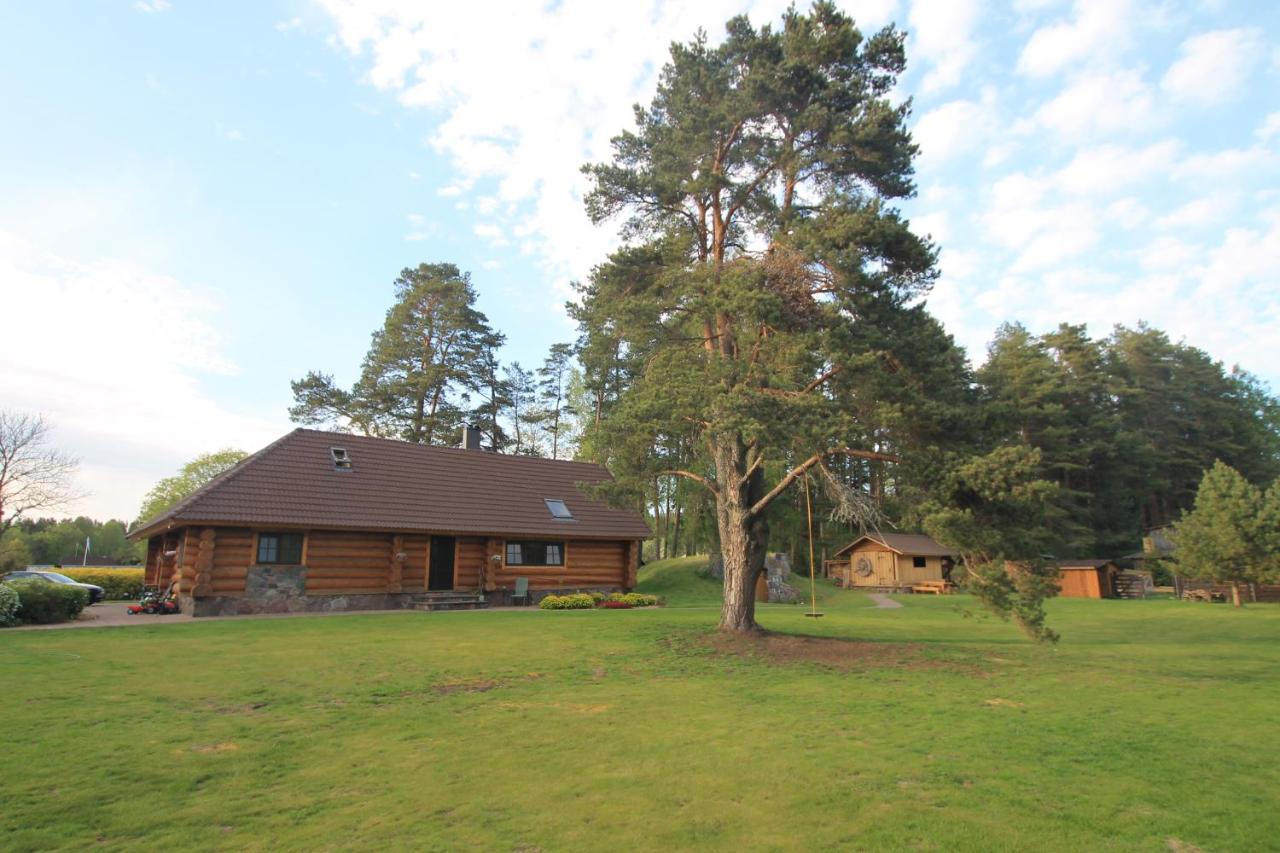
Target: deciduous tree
[(1229, 535), (34, 475), (190, 477)]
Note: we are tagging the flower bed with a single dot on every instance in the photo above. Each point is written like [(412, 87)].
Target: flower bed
[(589, 600)]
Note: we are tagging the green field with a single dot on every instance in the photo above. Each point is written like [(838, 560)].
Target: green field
[(1153, 724)]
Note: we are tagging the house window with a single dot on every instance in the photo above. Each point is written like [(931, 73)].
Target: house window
[(535, 553), (919, 562), (280, 548)]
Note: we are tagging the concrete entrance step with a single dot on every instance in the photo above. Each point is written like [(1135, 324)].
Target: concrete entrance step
[(448, 601)]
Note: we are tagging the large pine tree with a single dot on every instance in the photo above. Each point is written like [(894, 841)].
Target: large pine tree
[(421, 367), (757, 189)]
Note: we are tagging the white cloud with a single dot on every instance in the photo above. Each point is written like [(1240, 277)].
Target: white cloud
[(153, 6), (1127, 212), (955, 128), (419, 228), (120, 374), (293, 23), (1097, 28), (526, 96), (1100, 102), (1106, 169), (1269, 128), (942, 33), (1197, 213), (1213, 66)]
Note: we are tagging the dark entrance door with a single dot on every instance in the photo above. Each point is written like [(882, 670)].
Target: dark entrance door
[(441, 569)]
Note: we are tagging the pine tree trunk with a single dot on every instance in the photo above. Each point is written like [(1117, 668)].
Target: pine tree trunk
[(743, 539), (1235, 594)]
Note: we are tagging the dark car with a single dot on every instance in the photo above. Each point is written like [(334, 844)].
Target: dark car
[(96, 593)]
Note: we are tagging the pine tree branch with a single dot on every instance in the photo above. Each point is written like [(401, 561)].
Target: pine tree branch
[(697, 478), (798, 471)]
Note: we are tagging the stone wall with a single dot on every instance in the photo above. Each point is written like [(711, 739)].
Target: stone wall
[(778, 567), (283, 589)]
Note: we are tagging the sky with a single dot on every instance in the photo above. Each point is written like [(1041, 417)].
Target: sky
[(202, 201)]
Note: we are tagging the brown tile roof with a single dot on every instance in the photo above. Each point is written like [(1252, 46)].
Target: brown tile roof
[(403, 487), (907, 544)]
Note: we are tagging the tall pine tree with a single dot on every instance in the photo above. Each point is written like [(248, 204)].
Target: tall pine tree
[(420, 369)]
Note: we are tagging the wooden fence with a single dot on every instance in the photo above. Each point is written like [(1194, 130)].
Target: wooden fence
[(1250, 592)]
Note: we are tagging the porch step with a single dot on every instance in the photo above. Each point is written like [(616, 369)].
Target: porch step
[(448, 601)]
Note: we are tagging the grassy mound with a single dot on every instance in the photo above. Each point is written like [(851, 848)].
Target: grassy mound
[(681, 582)]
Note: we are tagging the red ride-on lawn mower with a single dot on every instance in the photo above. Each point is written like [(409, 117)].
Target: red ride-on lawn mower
[(156, 603)]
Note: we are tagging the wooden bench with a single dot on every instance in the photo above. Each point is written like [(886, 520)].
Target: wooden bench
[(934, 587)]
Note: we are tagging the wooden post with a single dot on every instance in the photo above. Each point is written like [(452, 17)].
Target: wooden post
[(489, 571), (395, 566), (204, 563)]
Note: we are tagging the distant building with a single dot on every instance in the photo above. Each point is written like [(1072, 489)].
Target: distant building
[(890, 560)]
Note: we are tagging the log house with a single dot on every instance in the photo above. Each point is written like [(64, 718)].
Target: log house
[(327, 521)]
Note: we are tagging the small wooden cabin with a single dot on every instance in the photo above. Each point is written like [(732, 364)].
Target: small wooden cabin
[(1087, 578), (326, 521), (890, 560)]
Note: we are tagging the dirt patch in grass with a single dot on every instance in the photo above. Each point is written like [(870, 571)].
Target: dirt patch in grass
[(844, 655), (466, 687)]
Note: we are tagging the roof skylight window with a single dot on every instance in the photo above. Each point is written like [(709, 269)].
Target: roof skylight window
[(558, 509), (341, 459)]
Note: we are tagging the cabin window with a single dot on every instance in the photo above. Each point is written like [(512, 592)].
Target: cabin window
[(535, 553), (558, 509), (919, 562), (280, 548)]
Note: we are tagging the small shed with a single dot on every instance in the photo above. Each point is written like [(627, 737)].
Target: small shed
[(891, 560), (1087, 578)]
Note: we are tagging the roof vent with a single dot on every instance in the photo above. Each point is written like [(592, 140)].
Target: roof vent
[(341, 461), (558, 509)]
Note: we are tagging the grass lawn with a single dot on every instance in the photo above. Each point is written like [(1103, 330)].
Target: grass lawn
[(1153, 723)]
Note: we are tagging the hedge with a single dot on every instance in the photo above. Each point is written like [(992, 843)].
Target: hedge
[(9, 606), (43, 603), (117, 583)]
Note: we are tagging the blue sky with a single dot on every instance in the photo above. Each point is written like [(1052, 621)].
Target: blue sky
[(202, 201)]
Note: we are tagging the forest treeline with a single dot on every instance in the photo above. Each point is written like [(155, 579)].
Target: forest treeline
[(1124, 425), (53, 542)]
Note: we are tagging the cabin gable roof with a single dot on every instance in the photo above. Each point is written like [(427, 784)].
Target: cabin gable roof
[(398, 486), (905, 544)]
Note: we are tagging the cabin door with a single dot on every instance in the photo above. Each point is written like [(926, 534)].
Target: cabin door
[(440, 572)]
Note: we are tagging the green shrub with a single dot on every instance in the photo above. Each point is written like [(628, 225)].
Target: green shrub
[(10, 604), (640, 599), (597, 596), (574, 601), (117, 583), (43, 602)]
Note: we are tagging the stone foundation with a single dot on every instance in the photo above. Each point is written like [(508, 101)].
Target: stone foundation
[(283, 589), (244, 605)]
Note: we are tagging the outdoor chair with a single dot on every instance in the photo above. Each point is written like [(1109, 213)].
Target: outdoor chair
[(521, 591)]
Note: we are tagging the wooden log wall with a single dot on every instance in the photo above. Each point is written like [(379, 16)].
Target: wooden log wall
[(588, 563), (185, 566), (469, 562), (231, 559), (203, 583), (340, 563), (413, 573)]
